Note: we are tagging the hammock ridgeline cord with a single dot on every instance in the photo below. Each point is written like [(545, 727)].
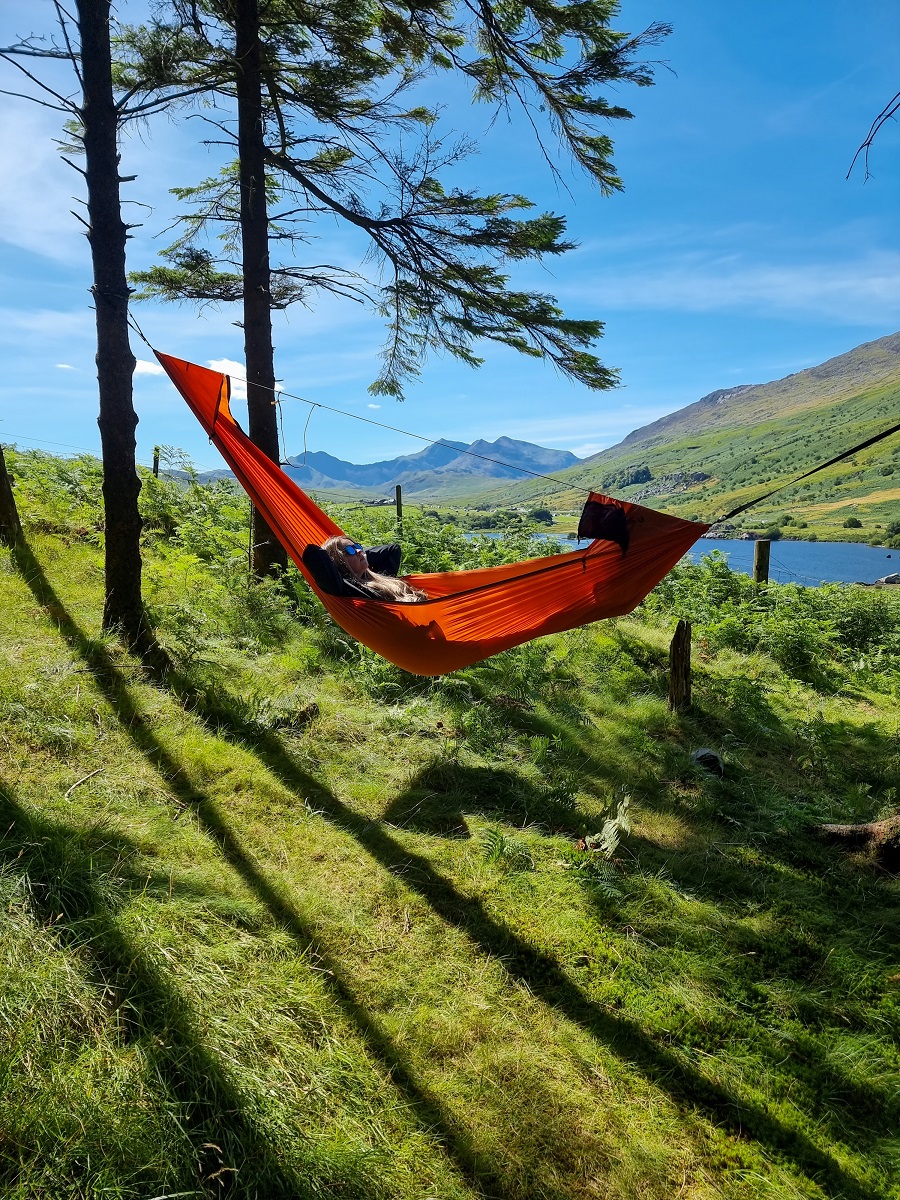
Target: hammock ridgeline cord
[(878, 437)]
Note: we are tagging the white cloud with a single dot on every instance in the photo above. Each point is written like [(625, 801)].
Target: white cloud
[(373, 406), (228, 366), (36, 197), (143, 367), (64, 367), (865, 291)]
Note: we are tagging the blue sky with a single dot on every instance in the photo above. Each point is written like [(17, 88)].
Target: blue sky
[(737, 253)]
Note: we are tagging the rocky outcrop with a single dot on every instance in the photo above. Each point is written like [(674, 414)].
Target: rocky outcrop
[(668, 485)]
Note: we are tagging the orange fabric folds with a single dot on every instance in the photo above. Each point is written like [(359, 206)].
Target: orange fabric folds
[(469, 615)]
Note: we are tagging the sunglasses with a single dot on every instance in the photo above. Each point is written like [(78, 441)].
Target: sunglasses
[(354, 550)]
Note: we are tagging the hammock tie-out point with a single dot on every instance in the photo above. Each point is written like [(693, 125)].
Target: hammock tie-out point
[(469, 615)]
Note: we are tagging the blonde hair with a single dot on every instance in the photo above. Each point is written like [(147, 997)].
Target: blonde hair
[(385, 587)]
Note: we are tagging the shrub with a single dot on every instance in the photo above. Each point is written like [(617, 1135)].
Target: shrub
[(541, 516), (853, 523), (502, 518), (58, 495), (805, 630), (627, 477)]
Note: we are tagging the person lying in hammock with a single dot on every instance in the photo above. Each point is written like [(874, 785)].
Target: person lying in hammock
[(371, 573)]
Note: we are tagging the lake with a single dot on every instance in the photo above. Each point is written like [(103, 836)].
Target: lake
[(809, 563)]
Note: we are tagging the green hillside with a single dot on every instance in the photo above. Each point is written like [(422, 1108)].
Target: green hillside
[(713, 455), (281, 922)]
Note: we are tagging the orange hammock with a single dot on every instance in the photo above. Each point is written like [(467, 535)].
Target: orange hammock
[(469, 615)]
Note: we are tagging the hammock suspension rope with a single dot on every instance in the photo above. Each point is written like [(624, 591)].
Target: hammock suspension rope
[(280, 395), (872, 441)]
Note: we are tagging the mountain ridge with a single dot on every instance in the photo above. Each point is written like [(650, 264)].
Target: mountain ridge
[(868, 364), (443, 460), (736, 443)]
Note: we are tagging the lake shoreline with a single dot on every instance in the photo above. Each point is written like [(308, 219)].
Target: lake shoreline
[(748, 536)]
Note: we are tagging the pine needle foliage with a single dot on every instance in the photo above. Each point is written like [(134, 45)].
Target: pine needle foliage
[(347, 140)]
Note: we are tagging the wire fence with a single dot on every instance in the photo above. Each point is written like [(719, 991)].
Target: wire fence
[(15, 438)]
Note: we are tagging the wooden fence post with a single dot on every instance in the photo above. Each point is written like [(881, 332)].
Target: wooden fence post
[(398, 500), (680, 668), (10, 525), (156, 461), (761, 561)]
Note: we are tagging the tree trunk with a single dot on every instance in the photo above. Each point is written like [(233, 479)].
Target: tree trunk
[(267, 552), (10, 526), (122, 608)]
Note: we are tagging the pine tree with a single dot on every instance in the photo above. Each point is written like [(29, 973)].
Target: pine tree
[(328, 127), (111, 94)]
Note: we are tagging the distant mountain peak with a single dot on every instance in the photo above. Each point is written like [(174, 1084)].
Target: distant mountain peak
[(442, 461)]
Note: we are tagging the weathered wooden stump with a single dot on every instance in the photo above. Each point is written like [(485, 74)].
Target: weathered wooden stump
[(680, 668), (880, 839)]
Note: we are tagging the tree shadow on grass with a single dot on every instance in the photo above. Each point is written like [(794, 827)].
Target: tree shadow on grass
[(544, 978), (442, 792), (480, 1173), (759, 864), (226, 1153), (777, 985), (540, 973), (779, 977), (536, 970)]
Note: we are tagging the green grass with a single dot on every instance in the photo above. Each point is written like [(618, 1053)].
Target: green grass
[(286, 922)]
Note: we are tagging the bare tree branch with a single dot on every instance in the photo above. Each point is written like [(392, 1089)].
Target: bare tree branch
[(8, 56), (61, 16), (35, 100), (889, 111), (23, 49), (74, 166), (160, 102)]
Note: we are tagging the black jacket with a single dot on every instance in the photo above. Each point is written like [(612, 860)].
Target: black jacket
[(383, 560)]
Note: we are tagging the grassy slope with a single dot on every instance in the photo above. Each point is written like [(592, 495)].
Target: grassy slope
[(259, 949), (765, 436)]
